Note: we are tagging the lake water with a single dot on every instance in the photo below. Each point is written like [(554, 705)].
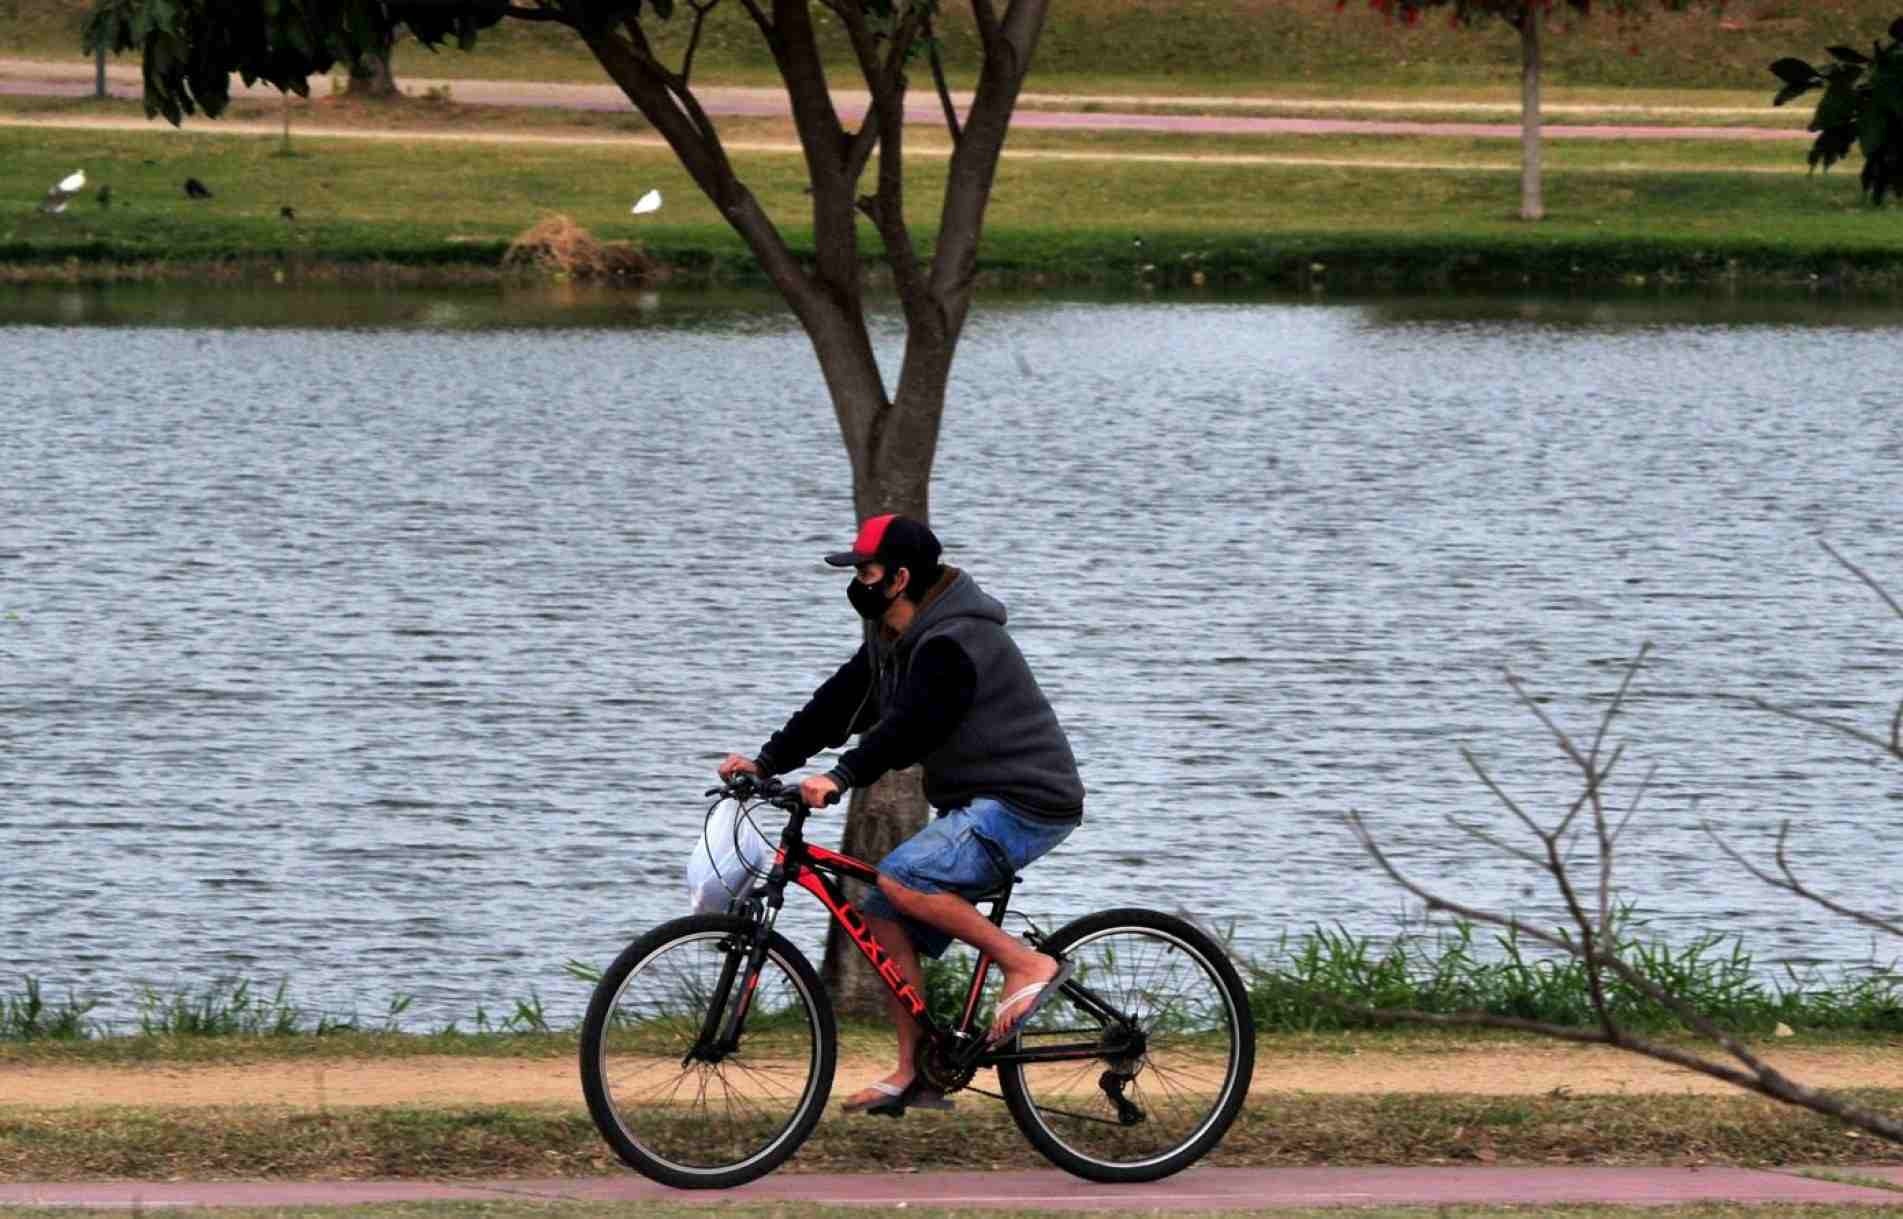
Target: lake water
[(385, 642)]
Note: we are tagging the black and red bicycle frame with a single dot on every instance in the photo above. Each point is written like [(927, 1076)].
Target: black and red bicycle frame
[(815, 869)]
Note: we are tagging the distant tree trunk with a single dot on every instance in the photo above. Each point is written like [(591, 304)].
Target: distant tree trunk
[(370, 75), (1532, 200)]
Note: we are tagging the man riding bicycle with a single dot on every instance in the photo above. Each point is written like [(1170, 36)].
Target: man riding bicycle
[(939, 684)]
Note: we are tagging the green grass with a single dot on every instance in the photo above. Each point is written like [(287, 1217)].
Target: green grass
[(430, 204), (1327, 979), (1205, 45)]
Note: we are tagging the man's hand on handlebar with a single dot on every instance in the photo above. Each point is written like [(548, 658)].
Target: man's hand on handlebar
[(818, 791), (743, 779)]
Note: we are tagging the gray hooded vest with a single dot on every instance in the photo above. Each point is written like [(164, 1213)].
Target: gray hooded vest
[(1009, 745)]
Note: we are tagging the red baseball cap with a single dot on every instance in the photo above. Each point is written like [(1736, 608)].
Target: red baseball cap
[(890, 538)]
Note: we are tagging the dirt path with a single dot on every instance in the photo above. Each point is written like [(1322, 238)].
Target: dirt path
[(1511, 1070), (1037, 111)]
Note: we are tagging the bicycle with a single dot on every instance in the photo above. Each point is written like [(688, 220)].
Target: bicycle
[(708, 1051)]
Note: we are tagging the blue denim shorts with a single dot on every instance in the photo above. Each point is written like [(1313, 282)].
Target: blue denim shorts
[(955, 854)]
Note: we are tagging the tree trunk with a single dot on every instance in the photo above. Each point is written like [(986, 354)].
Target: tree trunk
[(1532, 201), (892, 439), (892, 471), (878, 819), (370, 75)]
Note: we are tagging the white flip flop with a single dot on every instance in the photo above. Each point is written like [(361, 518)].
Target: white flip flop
[(895, 1102), (1039, 993)]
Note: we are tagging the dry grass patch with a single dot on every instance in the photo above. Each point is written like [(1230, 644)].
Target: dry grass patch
[(556, 245), (1276, 1129)]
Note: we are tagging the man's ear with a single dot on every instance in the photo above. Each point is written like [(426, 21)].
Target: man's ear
[(901, 579)]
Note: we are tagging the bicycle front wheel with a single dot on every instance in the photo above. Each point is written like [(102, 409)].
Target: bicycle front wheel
[(1176, 1050), (672, 1102)]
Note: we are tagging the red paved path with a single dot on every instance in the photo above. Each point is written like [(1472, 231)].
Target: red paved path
[(1197, 1189)]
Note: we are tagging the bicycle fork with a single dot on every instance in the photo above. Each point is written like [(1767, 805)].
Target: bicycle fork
[(727, 1013)]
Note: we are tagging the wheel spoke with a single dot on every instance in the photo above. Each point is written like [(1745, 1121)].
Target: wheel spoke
[(718, 1114), (1186, 1082)]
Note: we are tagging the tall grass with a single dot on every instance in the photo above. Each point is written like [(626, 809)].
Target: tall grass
[(1332, 979), (1322, 980), (27, 1018)]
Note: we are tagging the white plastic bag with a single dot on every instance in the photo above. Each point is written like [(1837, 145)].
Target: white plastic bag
[(716, 877)]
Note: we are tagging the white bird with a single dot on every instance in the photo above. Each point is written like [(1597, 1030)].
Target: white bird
[(650, 202), (67, 187)]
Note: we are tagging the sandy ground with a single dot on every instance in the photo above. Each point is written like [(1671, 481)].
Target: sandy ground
[(1500, 1071)]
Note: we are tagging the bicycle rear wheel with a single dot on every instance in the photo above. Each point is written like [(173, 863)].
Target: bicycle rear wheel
[(683, 1113), (1178, 1041)]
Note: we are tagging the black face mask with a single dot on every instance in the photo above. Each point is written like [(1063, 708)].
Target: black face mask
[(868, 599)]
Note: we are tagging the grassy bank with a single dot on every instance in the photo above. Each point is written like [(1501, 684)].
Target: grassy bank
[(452, 208), (256, 1139), (1321, 983), (1206, 45)]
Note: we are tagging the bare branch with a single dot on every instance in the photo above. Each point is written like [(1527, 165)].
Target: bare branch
[(693, 39), (944, 93), (1863, 575), (1559, 734), (1593, 784), (1604, 836), (1896, 721), (1475, 832), (1817, 720), (760, 19), (1777, 1088), (1473, 763), (1638, 795), (1618, 698), (1789, 882), (1589, 955)]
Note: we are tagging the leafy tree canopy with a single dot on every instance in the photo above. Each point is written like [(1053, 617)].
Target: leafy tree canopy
[(1862, 108), (190, 47)]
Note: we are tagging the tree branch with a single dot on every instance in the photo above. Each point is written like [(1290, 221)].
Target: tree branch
[(1863, 575), (944, 90), (1762, 1078), (1789, 881), (693, 39), (885, 83), (1498, 844)]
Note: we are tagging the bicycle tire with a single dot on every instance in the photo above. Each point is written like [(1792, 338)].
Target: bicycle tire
[(648, 1135), (1082, 1133)]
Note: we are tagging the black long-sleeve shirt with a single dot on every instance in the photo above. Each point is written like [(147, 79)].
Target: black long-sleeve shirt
[(932, 698)]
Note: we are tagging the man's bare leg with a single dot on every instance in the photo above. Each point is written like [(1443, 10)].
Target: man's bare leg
[(1022, 964), (898, 946)]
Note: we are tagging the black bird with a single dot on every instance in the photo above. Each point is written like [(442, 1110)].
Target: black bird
[(194, 189), (105, 196), (287, 212)]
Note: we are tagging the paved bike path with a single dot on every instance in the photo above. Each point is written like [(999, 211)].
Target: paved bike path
[(1197, 1189)]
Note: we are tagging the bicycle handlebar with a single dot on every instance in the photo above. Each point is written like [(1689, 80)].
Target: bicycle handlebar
[(766, 788)]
